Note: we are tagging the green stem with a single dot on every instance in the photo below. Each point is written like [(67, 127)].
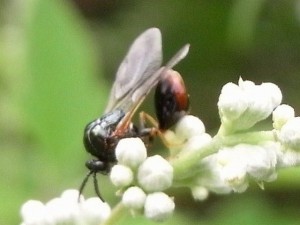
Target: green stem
[(184, 164), (117, 213)]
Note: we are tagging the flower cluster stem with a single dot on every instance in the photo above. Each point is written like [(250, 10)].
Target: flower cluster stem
[(184, 165)]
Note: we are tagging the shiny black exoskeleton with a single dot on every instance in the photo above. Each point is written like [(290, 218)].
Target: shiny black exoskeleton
[(99, 140)]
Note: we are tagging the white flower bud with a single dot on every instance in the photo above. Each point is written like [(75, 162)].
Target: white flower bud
[(288, 158), (231, 102), (121, 176), (131, 152), (189, 126), (289, 134), (235, 177), (134, 198), (33, 212), (281, 115), (245, 160), (262, 99), (242, 106), (61, 210), (274, 93), (158, 206), (155, 174), (70, 195), (199, 193), (64, 209), (196, 142), (94, 211)]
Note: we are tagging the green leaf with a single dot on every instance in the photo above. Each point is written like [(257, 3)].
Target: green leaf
[(62, 95)]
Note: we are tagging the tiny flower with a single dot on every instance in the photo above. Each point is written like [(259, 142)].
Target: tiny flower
[(199, 193), (131, 152), (235, 177), (33, 212), (281, 115), (196, 142), (289, 134), (134, 198), (274, 91), (62, 210), (94, 211), (121, 176), (242, 107), (288, 158), (65, 210), (71, 195), (243, 160), (189, 126), (158, 206), (155, 174), (232, 103), (210, 178)]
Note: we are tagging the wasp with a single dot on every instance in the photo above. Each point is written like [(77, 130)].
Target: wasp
[(138, 73)]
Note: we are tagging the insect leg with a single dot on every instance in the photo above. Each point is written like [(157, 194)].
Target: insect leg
[(84, 183), (96, 186)]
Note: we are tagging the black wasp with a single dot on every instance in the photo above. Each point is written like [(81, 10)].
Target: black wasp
[(139, 72)]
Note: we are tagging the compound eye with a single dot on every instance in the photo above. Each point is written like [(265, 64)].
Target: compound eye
[(171, 99)]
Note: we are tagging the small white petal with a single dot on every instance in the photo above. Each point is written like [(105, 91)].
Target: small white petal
[(62, 210), (274, 93), (262, 161), (196, 142), (131, 152), (121, 176), (155, 174), (289, 135), (245, 160), (245, 84), (260, 105), (231, 102), (288, 158), (235, 177), (211, 176), (200, 193), (94, 211), (158, 206), (241, 107), (134, 198), (70, 195), (281, 115), (33, 212), (55, 210), (189, 126)]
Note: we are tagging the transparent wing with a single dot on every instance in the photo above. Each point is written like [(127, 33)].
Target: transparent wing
[(140, 72), (142, 60)]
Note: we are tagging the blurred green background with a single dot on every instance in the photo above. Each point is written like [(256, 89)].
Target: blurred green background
[(57, 64)]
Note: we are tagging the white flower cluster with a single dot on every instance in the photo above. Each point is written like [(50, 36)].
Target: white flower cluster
[(142, 180), (287, 132), (65, 210), (231, 167), (189, 137), (242, 106)]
